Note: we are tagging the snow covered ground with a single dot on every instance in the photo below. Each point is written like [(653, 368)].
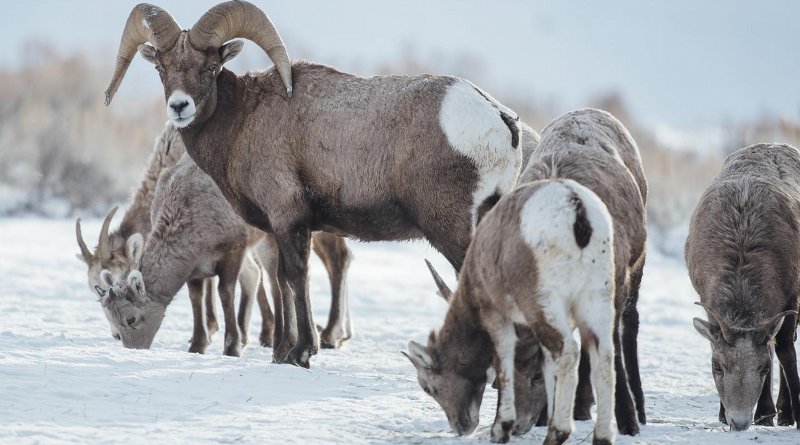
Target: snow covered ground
[(64, 379)]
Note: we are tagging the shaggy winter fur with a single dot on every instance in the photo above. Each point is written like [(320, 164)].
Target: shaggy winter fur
[(542, 258), (593, 148), (381, 158), (743, 254)]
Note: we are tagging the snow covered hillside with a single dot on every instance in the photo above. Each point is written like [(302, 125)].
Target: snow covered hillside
[(64, 379)]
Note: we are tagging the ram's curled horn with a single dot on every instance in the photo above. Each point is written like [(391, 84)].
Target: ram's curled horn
[(147, 23), (444, 291), (87, 255), (234, 19), (727, 335), (104, 245)]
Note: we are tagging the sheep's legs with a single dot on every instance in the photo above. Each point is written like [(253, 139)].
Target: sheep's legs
[(596, 339), (784, 401), (765, 406), (561, 377), (210, 295), (505, 342), (294, 249), (250, 282), (787, 356), (199, 340), (268, 258), (335, 255), (228, 272), (625, 409), (584, 399), (630, 334)]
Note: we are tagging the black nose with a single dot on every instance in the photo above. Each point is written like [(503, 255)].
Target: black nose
[(178, 106)]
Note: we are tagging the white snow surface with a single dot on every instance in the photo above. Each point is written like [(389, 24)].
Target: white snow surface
[(64, 379)]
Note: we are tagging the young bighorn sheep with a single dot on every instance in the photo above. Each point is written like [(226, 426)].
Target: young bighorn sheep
[(743, 255), (542, 258), (114, 250), (593, 148), (304, 147), (530, 397)]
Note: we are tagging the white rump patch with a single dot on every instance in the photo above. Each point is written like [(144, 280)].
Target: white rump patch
[(474, 128), (566, 272), (185, 116)]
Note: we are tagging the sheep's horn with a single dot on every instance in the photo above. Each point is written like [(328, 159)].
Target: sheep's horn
[(147, 23), (444, 291), (104, 245), (767, 326), (234, 19), (727, 335), (87, 255)]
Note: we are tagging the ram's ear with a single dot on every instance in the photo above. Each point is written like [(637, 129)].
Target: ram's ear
[(419, 355), (106, 279), (148, 53), (136, 281), (134, 248), (706, 329), (230, 50)]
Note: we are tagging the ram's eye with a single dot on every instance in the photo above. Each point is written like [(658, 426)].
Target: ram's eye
[(536, 377), (427, 391), (100, 291), (764, 370), (159, 69), (717, 368), (131, 321)]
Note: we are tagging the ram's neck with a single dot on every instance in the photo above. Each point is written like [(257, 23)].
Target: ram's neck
[(164, 270), (209, 142)]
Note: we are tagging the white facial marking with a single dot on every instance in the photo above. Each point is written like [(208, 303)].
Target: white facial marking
[(474, 128), (180, 109)]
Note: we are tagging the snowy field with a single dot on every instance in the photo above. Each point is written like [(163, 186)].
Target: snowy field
[(64, 379)]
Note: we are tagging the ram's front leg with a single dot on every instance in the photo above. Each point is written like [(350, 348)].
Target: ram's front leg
[(295, 247), (504, 339)]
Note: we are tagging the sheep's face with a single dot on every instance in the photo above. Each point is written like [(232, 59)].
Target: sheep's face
[(740, 365), (189, 77), (459, 396), (129, 309)]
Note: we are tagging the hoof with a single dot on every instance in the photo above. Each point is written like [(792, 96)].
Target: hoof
[(555, 437), (764, 420), (280, 353), (597, 441), (785, 418), (198, 347), (301, 355), (628, 428), (500, 431)]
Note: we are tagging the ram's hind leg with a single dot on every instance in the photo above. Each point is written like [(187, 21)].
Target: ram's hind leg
[(199, 341), (630, 345), (210, 296), (335, 255), (584, 399)]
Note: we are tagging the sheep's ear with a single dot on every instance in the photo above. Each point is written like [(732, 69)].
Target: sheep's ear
[(134, 247), (706, 330), (419, 355), (148, 53), (106, 279), (230, 50), (136, 281)]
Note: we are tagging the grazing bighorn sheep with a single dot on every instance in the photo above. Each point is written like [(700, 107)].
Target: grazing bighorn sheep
[(530, 397), (114, 250), (542, 258), (593, 148), (304, 147), (743, 255)]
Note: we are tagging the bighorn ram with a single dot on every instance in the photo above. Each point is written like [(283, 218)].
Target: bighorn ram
[(743, 255), (304, 147), (541, 260), (593, 148)]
